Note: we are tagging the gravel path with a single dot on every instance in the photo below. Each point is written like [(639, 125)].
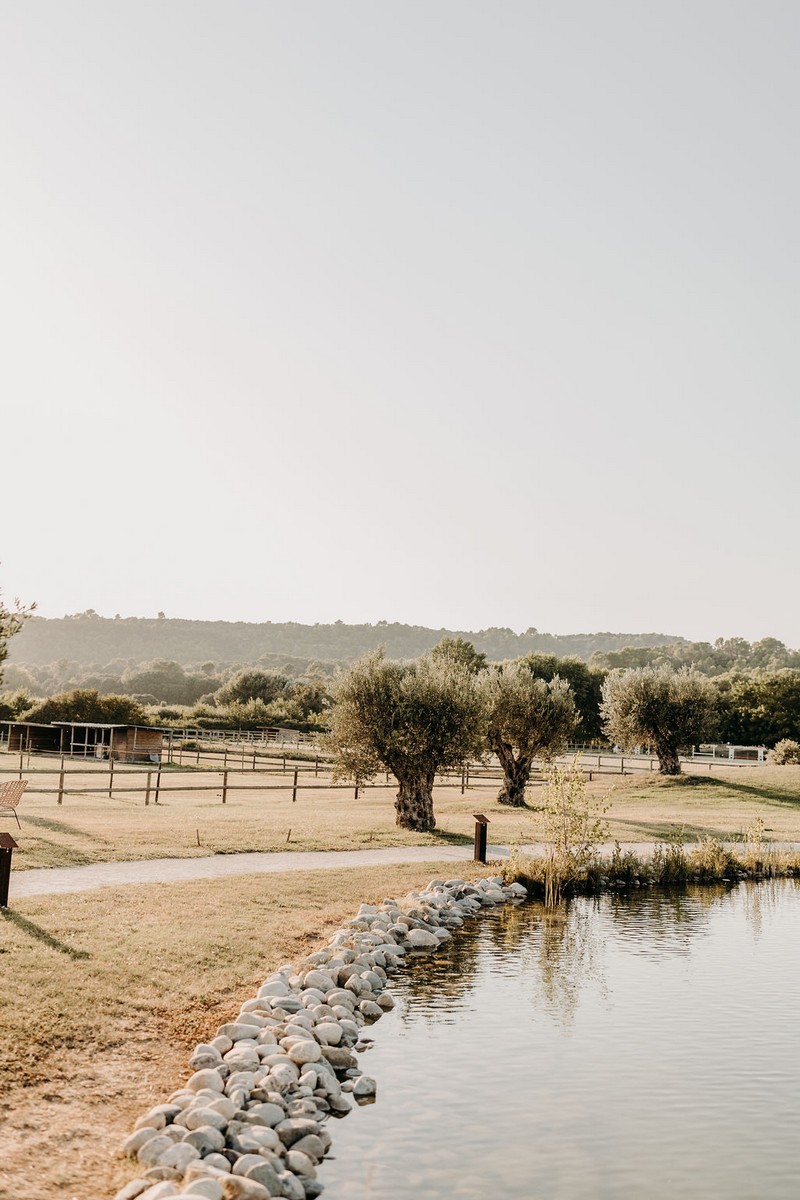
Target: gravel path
[(51, 880), (44, 881)]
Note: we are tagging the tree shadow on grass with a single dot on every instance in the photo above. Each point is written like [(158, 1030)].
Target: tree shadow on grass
[(773, 794), (668, 831), (451, 839), (41, 935), (60, 827)]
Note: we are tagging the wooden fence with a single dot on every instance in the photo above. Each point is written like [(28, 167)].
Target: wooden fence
[(235, 769)]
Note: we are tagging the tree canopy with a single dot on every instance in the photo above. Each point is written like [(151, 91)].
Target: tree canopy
[(585, 682), (459, 650), (252, 685), (85, 704)]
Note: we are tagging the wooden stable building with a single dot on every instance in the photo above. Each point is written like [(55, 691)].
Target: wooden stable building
[(87, 739)]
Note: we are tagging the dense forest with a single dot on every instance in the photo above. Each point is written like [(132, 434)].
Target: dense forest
[(89, 640)]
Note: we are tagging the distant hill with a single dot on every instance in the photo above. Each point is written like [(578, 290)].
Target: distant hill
[(90, 640)]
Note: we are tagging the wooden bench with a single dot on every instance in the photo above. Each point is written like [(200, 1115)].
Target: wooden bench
[(10, 796)]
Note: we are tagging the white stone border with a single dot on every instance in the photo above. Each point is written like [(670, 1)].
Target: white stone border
[(250, 1123)]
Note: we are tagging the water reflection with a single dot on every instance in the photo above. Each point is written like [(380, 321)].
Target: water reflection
[(622, 1047)]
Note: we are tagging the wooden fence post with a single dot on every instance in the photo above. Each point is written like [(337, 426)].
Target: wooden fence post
[(110, 778), (254, 760), (463, 783), (147, 792), (355, 797), (294, 787), (158, 781), (61, 782), (224, 787), (21, 757), (316, 767), (225, 758)]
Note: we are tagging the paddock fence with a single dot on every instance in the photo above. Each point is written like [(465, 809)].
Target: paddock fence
[(230, 767)]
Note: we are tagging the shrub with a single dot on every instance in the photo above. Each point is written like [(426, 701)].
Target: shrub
[(786, 752)]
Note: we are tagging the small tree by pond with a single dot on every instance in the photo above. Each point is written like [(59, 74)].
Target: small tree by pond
[(659, 707), (573, 829), (413, 719), (528, 718)]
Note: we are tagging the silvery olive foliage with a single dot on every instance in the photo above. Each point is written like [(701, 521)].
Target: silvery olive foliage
[(527, 718), (412, 719), (659, 707)]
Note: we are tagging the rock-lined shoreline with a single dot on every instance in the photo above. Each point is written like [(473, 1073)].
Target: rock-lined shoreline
[(250, 1123)]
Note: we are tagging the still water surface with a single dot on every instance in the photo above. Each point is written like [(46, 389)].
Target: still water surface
[(644, 1046)]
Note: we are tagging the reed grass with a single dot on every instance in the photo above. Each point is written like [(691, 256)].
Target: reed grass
[(671, 864)]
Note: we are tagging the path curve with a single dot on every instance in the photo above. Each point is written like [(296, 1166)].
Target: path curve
[(42, 881)]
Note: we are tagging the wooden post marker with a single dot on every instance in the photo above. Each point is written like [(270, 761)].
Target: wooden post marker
[(481, 823), (294, 787), (61, 783), (110, 778), (147, 792), (7, 846), (224, 787)]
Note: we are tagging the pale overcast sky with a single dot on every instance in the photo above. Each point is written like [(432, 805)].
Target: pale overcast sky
[(445, 312)]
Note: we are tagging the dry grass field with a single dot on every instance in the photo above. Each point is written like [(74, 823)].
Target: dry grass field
[(105, 993), (89, 828)]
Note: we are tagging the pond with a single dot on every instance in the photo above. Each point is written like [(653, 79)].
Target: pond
[(641, 1046)]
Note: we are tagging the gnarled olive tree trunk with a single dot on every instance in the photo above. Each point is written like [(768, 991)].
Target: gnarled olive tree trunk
[(668, 761), (516, 774), (414, 803)]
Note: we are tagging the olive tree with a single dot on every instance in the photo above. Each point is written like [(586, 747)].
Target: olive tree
[(659, 707), (528, 718), (412, 719)]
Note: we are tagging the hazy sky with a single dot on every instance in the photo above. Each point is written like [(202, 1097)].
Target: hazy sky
[(446, 312)]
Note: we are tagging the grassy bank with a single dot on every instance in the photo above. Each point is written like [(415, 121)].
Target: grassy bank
[(94, 828), (103, 1000)]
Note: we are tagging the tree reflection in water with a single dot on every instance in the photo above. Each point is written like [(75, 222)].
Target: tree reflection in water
[(563, 950)]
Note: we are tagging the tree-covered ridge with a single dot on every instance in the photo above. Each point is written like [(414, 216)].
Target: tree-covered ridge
[(90, 640), (717, 658)]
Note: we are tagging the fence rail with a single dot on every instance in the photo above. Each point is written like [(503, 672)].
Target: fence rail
[(117, 777)]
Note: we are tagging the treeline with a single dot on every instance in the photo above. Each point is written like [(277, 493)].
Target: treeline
[(88, 639), (760, 706)]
